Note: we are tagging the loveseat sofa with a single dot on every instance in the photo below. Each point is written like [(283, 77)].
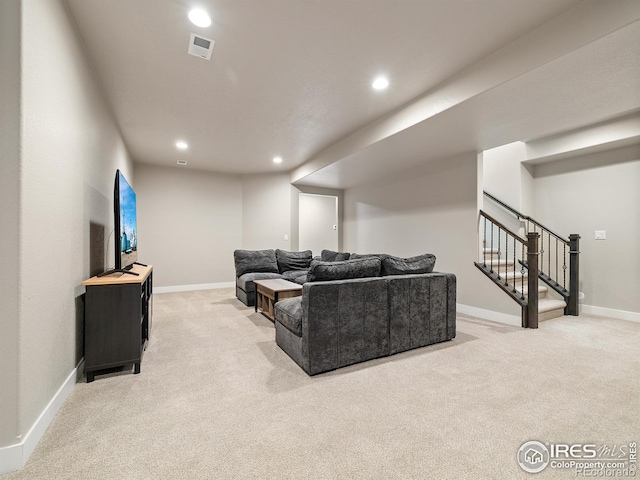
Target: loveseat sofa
[(356, 310)]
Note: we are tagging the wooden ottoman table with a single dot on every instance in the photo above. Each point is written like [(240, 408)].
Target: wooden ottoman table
[(269, 292)]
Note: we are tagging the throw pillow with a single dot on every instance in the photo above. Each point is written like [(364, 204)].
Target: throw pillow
[(331, 256), (346, 269), (247, 261), (293, 260), (403, 266)]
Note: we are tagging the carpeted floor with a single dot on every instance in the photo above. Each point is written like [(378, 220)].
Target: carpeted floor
[(217, 398)]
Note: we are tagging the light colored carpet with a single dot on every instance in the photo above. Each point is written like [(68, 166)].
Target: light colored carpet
[(217, 398)]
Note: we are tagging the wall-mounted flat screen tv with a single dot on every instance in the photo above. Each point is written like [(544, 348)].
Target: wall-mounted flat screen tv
[(125, 230)]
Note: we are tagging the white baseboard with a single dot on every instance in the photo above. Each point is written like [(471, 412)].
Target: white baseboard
[(14, 457), (514, 320), (189, 288), (610, 312)]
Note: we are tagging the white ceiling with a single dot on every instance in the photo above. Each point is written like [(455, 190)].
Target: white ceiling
[(599, 81), (292, 77)]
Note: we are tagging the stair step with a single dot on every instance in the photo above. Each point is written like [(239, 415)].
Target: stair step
[(517, 276), (549, 308), (496, 264), (488, 255), (542, 290)]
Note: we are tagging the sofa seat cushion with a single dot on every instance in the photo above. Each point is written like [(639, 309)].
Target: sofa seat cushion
[(289, 314), (331, 256), (293, 260), (292, 275), (407, 266), (245, 282), (344, 270), (301, 280), (248, 261)]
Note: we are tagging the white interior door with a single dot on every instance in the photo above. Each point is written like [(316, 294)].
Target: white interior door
[(318, 222)]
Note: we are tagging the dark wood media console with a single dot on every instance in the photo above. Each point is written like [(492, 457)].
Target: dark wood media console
[(118, 312)]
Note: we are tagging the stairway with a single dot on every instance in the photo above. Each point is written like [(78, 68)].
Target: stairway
[(548, 307)]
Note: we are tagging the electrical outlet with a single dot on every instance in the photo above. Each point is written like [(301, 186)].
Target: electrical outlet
[(601, 234), (286, 237)]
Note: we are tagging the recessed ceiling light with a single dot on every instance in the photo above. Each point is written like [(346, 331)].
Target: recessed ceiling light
[(380, 83), (277, 159), (182, 145), (182, 162), (199, 18)]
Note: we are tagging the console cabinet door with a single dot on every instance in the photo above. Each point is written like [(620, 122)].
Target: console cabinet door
[(112, 325)]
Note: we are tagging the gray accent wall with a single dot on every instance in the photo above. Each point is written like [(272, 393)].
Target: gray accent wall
[(429, 209), (9, 216), (189, 224), (190, 221), (599, 191), (67, 151), (266, 203)]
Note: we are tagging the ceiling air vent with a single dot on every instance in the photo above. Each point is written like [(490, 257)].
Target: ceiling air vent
[(200, 46)]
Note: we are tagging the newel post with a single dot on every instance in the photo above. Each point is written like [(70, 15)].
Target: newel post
[(574, 270), (532, 282)]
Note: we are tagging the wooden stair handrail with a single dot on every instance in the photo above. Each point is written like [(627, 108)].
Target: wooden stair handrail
[(526, 217), (499, 224)]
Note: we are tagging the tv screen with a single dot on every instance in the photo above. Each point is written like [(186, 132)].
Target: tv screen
[(126, 232)]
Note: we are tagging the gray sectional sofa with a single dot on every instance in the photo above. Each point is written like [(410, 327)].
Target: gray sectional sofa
[(264, 264), (348, 313), (353, 307)]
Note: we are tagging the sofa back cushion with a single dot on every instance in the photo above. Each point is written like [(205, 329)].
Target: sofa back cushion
[(360, 268), (293, 260), (247, 261), (331, 256), (360, 256), (404, 266)]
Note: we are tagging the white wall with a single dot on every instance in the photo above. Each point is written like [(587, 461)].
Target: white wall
[(433, 210), (189, 224), (599, 191), (60, 151), (70, 147), (70, 151), (507, 179), (9, 199), (217, 213), (266, 212), (502, 172)]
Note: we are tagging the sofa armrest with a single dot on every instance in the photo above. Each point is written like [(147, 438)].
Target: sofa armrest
[(422, 310), (344, 322)]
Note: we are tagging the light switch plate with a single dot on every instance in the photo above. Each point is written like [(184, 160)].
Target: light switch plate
[(601, 234)]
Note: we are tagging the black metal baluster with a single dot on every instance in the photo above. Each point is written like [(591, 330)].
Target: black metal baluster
[(522, 275), (484, 244), (549, 255), (499, 256), (556, 279), (491, 258), (506, 255), (514, 264), (542, 250), (564, 269)]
